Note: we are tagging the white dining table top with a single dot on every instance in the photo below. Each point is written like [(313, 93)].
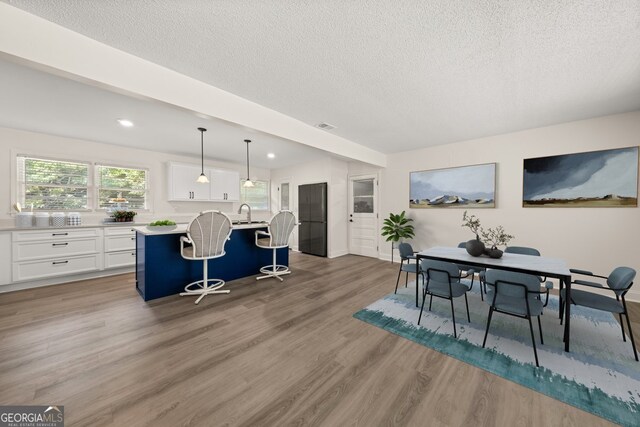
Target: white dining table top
[(538, 264)]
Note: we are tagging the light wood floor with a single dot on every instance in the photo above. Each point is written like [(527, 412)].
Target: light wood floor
[(269, 353)]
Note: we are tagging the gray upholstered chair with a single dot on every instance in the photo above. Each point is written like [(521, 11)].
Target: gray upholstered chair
[(407, 254), (619, 282), (469, 270), (277, 237), (443, 281), (206, 236), (515, 294), (524, 250)]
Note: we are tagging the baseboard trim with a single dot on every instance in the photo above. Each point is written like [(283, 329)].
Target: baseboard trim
[(19, 286)]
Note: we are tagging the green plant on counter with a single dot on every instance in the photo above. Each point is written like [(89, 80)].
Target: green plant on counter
[(162, 222), (124, 216)]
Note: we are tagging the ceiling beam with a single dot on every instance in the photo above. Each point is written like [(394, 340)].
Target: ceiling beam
[(35, 41)]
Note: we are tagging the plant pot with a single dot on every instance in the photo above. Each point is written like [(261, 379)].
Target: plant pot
[(475, 247), (494, 253)]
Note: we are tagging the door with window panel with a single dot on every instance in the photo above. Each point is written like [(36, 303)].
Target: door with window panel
[(363, 215)]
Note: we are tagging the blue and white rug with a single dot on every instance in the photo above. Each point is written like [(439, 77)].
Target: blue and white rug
[(599, 375)]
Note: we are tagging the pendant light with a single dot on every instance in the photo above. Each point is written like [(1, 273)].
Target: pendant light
[(202, 178), (248, 183)]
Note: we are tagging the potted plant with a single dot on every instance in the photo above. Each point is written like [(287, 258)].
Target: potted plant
[(123, 216), (474, 247), (396, 228), (495, 237)]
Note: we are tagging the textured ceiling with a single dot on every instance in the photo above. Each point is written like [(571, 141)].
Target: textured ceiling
[(390, 75)]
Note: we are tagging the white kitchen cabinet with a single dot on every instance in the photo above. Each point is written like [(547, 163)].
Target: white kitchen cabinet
[(225, 185), (119, 247), (182, 183), (39, 254), (5, 258)]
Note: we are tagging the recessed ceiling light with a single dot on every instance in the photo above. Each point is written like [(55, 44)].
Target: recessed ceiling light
[(126, 123), (271, 155)]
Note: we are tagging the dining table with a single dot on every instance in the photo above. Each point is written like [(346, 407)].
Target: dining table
[(529, 264)]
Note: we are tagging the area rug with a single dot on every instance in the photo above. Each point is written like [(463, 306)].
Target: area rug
[(599, 375)]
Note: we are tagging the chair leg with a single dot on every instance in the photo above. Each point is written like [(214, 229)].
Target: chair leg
[(486, 332), (466, 302), (453, 316), (533, 341), (540, 329), (406, 279), (624, 337), (633, 344), (430, 300), (561, 310), (398, 279), (421, 308)]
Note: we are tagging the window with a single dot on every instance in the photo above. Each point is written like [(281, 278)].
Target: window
[(115, 182), (53, 184), (284, 196), (257, 196)]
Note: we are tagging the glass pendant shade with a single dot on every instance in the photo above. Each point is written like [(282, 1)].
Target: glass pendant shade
[(202, 179)]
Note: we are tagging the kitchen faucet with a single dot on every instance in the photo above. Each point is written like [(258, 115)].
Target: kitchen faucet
[(248, 211)]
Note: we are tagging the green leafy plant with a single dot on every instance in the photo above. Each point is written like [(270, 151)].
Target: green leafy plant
[(162, 222), (397, 227), (123, 216)]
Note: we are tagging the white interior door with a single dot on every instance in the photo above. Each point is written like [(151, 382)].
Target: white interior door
[(363, 215)]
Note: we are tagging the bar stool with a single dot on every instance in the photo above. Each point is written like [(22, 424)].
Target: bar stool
[(207, 234), (277, 236)]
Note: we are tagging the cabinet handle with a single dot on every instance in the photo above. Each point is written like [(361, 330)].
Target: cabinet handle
[(59, 244), (60, 262), (133, 229), (133, 238), (133, 254), (59, 234)]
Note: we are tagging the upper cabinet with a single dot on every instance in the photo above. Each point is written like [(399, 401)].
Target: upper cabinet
[(223, 186), (182, 183)]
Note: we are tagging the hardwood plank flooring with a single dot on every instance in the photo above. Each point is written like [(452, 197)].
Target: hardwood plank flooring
[(267, 354)]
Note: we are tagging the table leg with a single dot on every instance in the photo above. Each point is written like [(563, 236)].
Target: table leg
[(567, 313), (417, 278)]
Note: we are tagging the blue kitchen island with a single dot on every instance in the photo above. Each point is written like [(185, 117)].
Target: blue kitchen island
[(161, 271)]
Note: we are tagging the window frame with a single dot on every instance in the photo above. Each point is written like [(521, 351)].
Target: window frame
[(98, 187), (21, 183), (268, 195)]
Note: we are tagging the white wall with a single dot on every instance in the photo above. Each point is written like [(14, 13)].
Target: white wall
[(596, 239), (332, 171), (14, 141)]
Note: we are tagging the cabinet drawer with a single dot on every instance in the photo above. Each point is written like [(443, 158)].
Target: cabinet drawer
[(24, 251), (119, 231), (55, 234), (57, 267), (119, 243), (119, 259)]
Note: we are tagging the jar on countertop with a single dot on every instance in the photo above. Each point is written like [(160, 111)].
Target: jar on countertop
[(42, 219), (24, 219), (74, 218), (58, 219)]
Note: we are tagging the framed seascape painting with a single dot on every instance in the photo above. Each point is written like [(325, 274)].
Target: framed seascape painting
[(459, 187), (606, 178)]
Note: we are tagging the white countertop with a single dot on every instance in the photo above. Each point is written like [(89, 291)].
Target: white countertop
[(182, 228)]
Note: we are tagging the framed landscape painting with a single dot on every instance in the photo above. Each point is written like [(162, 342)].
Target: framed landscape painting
[(606, 178), (459, 187)]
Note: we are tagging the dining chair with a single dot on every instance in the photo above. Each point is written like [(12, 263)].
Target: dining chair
[(443, 281), (515, 294), (619, 282), (407, 254), (206, 237), (469, 270), (524, 250)]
